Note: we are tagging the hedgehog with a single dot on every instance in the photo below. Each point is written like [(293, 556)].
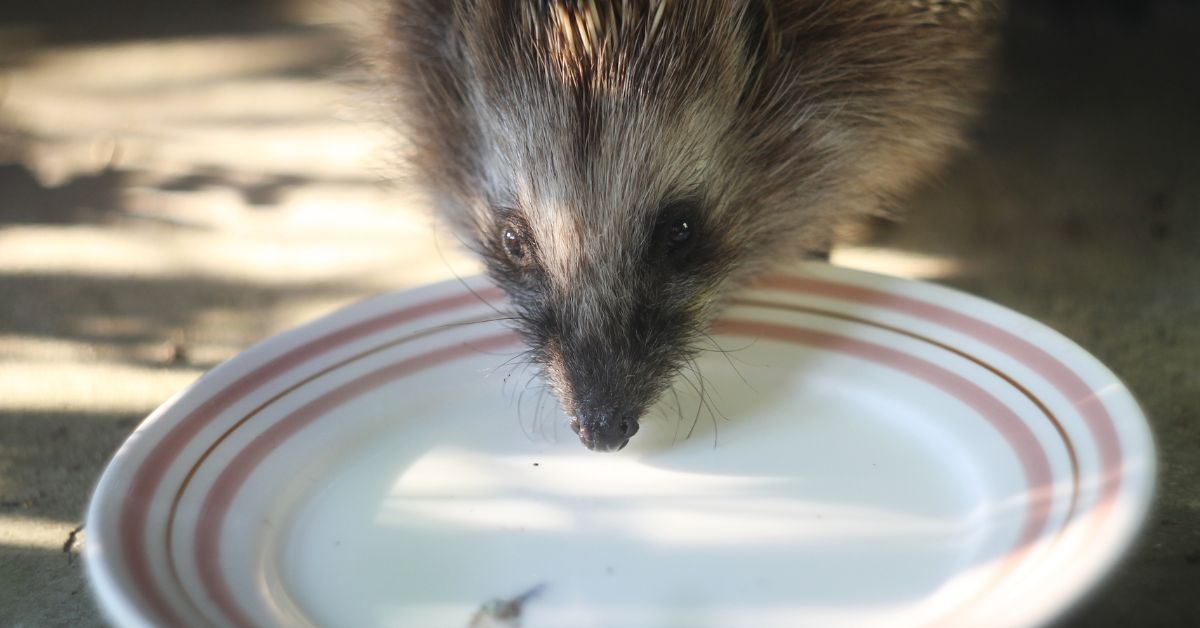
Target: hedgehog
[(621, 166)]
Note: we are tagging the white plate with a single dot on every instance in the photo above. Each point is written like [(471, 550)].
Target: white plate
[(894, 453)]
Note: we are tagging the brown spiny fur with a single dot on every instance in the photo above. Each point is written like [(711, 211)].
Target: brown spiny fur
[(586, 130)]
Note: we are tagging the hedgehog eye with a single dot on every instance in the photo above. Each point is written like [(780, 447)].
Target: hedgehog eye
[(514, 245), (677, 230), (678, 233)]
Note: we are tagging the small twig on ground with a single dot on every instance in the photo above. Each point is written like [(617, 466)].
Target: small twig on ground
[(69, 544)]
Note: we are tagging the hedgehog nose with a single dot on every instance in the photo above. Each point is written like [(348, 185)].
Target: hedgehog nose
[(604, 431)]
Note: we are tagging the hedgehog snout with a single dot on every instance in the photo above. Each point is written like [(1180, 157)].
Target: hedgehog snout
[(604, 429)]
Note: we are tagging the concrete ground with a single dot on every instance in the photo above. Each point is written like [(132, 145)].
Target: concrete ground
[(173, 191)]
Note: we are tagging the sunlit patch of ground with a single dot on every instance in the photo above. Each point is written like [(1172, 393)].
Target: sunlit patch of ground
[(164, 204), (196, 192)]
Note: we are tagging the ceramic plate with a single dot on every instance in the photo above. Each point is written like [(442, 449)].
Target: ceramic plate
[(863, 451)]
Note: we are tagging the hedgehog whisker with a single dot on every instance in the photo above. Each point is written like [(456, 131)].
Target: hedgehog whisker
[(679, 411), (518, 358), (724, 353), (705, 399), (679, 372)]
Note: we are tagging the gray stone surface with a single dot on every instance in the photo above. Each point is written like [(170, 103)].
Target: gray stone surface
[(210, 188)]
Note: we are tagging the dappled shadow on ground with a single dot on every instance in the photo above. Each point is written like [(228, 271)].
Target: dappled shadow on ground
[(262, 193), (120, 317), (1088, 148), (72, 21), (84, 199), (28, 573), (148, 155), (51, 459), (99, 197), (49, 462)]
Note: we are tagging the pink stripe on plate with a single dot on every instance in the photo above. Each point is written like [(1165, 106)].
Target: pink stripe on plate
[(1039, 479), (223, 490), (145, 481), (1083, 397)]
